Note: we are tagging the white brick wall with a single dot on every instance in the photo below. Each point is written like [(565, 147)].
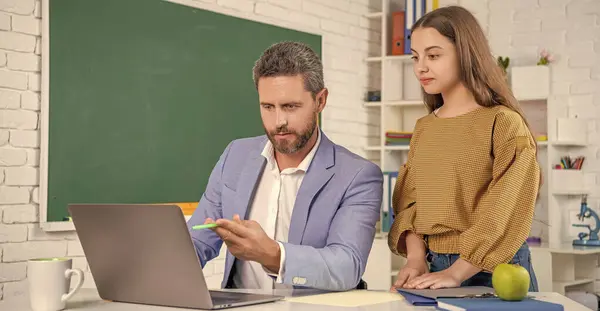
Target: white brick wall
[(348, 37), (19, 42), (4, 21), (23, 61)]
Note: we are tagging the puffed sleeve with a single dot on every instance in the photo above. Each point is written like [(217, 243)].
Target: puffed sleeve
[(404, 200), (505, 211)]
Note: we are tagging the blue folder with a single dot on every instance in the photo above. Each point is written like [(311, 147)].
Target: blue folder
[(495, 304), (413, 10), (417, 300)]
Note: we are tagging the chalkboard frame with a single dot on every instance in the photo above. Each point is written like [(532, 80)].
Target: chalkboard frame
[(57, 226)]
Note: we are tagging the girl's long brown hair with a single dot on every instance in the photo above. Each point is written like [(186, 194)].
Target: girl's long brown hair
[(479, 70)]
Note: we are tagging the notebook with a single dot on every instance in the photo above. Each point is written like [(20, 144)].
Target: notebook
[(417, 300), (428, 297), (464, 291), (495, 304)]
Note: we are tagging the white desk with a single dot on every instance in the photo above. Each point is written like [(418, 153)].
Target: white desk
[(88, 300)]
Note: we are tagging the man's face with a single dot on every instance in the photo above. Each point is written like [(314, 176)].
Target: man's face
[(288, 111)]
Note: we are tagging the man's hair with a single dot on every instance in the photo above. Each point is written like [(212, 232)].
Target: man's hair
[(290, 59)]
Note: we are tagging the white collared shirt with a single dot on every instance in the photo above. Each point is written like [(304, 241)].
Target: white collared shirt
[(272, 209)]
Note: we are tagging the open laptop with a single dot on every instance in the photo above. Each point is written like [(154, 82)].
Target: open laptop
[(144, 254)]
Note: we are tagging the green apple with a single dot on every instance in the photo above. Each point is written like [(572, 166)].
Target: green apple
[(511, 282)]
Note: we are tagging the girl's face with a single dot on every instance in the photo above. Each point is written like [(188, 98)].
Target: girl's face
[(436, 63)]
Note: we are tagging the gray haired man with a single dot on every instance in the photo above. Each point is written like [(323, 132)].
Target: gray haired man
[(293, 208)]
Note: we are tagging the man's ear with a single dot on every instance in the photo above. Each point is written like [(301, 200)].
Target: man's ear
[(322, 99)]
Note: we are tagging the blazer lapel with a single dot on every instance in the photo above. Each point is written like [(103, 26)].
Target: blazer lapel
[(248, 182), (316, 177)]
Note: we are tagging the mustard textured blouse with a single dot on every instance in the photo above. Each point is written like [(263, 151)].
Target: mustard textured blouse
[(468, 187)]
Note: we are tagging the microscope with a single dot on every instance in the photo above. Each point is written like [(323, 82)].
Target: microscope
[(592, 236)]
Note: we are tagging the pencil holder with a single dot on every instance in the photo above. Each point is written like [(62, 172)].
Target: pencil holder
[(572, 130), (530, 82), (568, 181)]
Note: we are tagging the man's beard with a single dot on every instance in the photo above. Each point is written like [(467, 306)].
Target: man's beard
[(301, 138)]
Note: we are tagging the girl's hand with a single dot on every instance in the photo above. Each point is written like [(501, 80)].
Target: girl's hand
[(413, 269), (435, 280), (454, 276)]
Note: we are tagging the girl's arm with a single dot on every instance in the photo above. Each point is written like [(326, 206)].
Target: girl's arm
[(415, 247), (416, 263), (463, 270), (404, 200), (505, 211)]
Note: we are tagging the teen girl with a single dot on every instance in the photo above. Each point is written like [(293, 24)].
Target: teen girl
[(465, 198)]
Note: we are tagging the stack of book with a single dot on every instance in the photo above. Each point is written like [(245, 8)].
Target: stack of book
[(397, 138)]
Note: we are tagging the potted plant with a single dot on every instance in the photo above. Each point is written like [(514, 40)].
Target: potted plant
[(545, 58), (532, 82), (503, 62)]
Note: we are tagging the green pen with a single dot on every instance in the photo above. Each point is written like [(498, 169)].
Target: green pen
[(206, 226)]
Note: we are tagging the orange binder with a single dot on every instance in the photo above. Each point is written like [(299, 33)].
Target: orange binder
[(398, 33)]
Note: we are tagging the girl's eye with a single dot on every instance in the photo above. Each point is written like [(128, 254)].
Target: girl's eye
[(433, 56)]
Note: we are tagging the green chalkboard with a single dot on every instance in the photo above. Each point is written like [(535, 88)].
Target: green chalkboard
[(144, 95)]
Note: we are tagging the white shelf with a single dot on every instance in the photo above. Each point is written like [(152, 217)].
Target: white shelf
[(569, 143), (531, 98), (560, 266), (373, 59), (572, 283), (394, 103), (405, 103), (566, 248), (372, 104), (391, 148), (402, 58), (374, 15), (571, 192)]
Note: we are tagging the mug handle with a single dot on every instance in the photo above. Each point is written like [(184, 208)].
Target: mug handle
[(68, 273)]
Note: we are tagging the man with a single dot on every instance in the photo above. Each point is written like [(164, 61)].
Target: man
[(293, 208)]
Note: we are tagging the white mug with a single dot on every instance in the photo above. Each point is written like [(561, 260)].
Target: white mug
[(49, 280)]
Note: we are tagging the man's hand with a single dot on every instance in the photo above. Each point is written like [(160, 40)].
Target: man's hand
[(246, 240), (414, 268)]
